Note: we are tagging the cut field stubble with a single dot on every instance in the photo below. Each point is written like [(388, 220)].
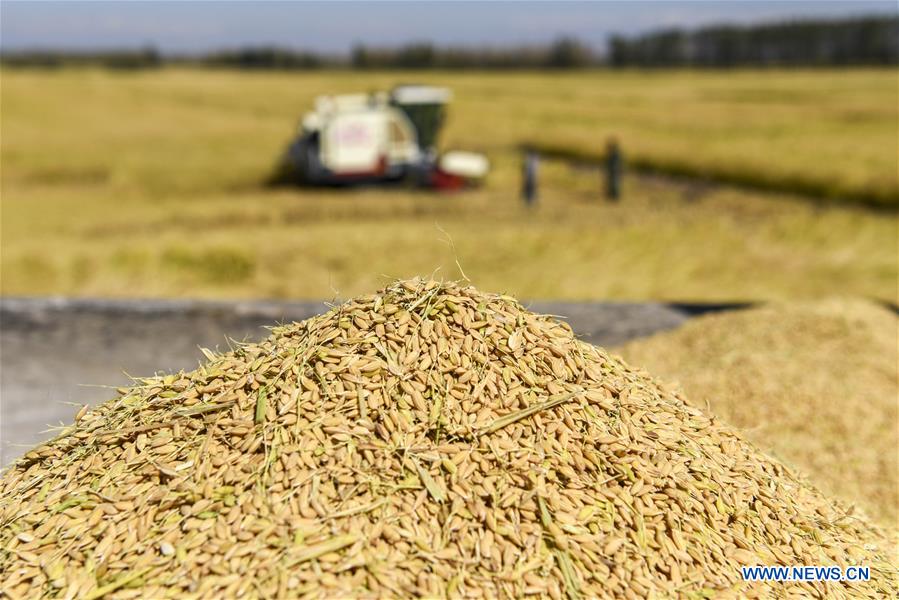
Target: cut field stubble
[(427, 440)]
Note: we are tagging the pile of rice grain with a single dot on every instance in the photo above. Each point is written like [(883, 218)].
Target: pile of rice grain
[(815, 383), (429, 440)]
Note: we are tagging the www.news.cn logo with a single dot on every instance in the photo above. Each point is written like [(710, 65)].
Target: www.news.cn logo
[(805, 573)]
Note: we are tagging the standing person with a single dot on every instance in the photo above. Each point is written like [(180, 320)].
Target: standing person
[(613, 170), (529, 172)]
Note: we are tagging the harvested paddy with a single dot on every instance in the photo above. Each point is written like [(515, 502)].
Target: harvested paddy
[(427, 440), (815, 383)]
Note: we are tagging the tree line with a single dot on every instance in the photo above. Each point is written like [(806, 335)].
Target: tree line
[(140, 58), (843, 42), (857, 41), (563, 53)]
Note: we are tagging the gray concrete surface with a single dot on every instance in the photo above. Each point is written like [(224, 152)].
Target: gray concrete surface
[(57, 354)]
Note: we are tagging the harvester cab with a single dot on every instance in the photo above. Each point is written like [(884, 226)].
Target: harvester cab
[(379, 137)]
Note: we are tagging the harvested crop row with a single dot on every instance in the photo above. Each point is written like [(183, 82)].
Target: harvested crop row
[(814, 382), (428, 440)]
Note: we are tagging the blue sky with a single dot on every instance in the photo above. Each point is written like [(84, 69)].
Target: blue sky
[(336, 26)]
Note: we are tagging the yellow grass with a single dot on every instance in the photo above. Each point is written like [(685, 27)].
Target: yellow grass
[(815, 383), (149, 184)]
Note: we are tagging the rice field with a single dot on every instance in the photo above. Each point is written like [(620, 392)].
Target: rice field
[(150, 184)]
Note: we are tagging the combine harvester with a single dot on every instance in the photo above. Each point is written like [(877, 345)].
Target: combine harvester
[(379, 138)]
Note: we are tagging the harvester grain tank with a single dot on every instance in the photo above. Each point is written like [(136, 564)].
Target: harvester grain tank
[(379, 137)]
